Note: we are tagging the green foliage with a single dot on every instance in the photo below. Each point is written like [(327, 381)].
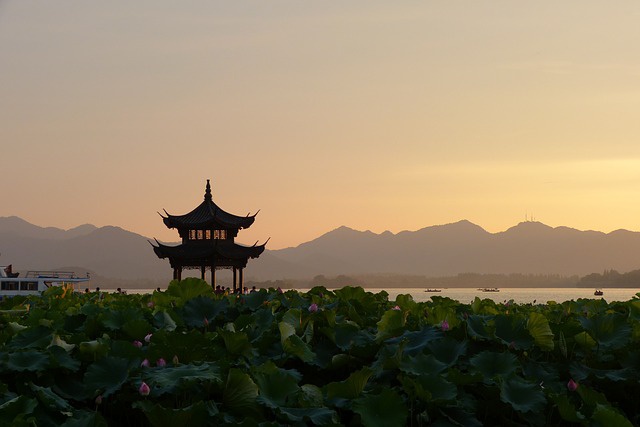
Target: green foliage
[(359, 359)]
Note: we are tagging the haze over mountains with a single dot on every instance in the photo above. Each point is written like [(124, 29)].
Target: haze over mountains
[(443, 250)]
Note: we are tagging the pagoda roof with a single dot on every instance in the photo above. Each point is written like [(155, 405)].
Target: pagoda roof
[(208, 215), (219, 249)]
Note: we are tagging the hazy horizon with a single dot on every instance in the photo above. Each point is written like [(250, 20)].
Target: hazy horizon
[(374, 115)]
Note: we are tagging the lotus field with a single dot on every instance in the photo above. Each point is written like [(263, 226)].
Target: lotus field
[(349, 357)]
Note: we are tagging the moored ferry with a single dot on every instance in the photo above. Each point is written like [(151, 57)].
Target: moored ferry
[(34, 282)]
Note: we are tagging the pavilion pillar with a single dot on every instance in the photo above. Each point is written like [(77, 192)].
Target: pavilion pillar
[(179, 274), (175, 273), (235, 278), (241, 284), (202, 272), (213, 276)]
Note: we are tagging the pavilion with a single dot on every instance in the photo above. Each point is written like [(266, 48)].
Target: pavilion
[(208, 234)]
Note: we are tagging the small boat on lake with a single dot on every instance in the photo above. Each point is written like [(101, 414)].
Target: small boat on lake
[(432, 290), (598, 292), (34, 282), (489, 289)]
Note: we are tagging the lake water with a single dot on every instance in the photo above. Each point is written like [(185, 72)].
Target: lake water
[(518, 295)]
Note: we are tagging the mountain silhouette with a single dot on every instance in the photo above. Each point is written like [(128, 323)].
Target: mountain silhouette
[(440, 250)]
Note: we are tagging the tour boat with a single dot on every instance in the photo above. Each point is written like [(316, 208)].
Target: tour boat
[(490, 290), (598, 292), (34, 282), (432, 290)]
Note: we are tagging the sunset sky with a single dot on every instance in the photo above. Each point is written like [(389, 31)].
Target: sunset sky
[(376, 115)]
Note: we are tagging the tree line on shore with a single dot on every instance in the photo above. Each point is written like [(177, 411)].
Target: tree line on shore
[(607, 279)]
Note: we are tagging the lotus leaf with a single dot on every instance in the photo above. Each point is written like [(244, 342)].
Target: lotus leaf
[(57, 341), (293, 317), (295, 346), (51, 400), (277, 386), (163, 320), (236, 343), (512, 330), (447, 350), (477, 327), (433, 387), (179, 379), (198, 414), (240, 393), (416, 341), (317, 416), (607, 416), (28, 360), (422, 364), (310, 396), (384, 409), (492, 364), (17, 407), (523, 396), (115, 319), (84, 419), (34, 337), (201, 309), (62, 359), (391, 324), (184, 290), (609, 330), (107, 375), (538, 327), (350, 388)]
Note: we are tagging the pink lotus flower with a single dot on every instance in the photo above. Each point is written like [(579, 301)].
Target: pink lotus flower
[(444, 325), (144, 389), (137, 344), (145, 363), (396, 308), (313, 308), (150, 304), (161, 362), (147, 337), (572, 385)]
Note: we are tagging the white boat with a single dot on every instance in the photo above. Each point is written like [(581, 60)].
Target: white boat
[(34, 282)]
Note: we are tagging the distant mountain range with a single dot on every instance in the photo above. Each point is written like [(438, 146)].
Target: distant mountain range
[(442, 250)]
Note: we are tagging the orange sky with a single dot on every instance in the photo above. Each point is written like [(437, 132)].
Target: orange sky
[(375, 115)]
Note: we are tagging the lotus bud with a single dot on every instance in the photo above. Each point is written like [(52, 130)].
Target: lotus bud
[(206, 322), (396, 308), (161, 362), (150, 304), (145, 363), (572, 385), (99, 399), (313, 308), (147, 337), (144, 389), (175, 359), (444, 325), (279, 290), (137, 344)]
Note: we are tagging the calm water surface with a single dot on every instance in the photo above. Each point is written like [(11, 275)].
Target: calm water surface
[(518, 295)]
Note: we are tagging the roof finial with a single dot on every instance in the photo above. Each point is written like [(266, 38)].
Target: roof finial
[(207, 193)]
